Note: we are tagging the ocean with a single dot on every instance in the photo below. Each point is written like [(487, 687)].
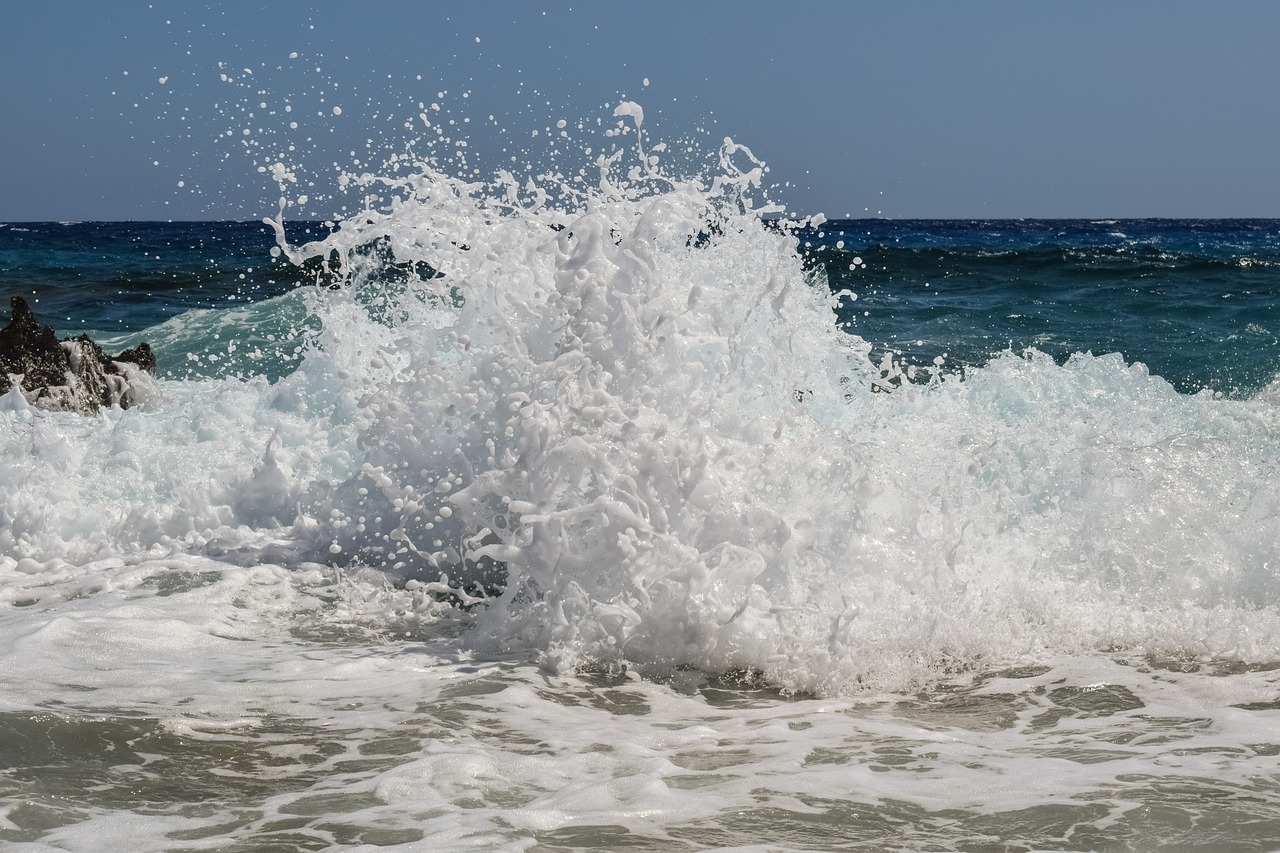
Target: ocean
[(640, 518)]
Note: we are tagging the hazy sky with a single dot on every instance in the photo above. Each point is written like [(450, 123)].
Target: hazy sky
[(121, 110)]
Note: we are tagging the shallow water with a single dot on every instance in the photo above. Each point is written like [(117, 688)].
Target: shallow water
[(270, 734)]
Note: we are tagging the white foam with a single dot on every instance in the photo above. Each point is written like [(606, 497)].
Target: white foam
[(648, 417), (628, 399)]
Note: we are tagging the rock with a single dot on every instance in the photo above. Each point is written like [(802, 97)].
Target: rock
[(74, 374)]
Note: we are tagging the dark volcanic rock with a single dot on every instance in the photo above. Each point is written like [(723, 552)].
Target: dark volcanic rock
[(74, 374)]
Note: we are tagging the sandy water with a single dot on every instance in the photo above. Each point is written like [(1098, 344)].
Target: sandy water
[(291, 723)]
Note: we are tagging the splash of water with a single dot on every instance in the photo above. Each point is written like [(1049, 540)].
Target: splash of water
[(623, 403), (611, 412)]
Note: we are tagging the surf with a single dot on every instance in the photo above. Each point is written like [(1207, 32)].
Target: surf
[(612, 416), (618, 410)]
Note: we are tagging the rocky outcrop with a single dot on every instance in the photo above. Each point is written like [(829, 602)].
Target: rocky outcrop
[(74, 374)]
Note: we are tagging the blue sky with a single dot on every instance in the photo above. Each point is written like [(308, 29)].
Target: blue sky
[(902, 109)]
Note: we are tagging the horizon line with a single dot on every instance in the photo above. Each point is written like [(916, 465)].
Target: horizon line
[(794, 218)]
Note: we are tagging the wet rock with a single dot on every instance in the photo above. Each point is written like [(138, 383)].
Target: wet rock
[(74, 374)]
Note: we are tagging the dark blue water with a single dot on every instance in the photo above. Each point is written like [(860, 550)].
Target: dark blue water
[(210, 297), (121, 277), (1197, 301)]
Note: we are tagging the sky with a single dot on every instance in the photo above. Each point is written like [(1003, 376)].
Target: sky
[(905, 109)]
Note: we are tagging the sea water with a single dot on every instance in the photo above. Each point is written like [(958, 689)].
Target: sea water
[(626, 512)]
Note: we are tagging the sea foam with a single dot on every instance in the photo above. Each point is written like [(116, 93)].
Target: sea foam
[(614, 417), (629, 400)]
